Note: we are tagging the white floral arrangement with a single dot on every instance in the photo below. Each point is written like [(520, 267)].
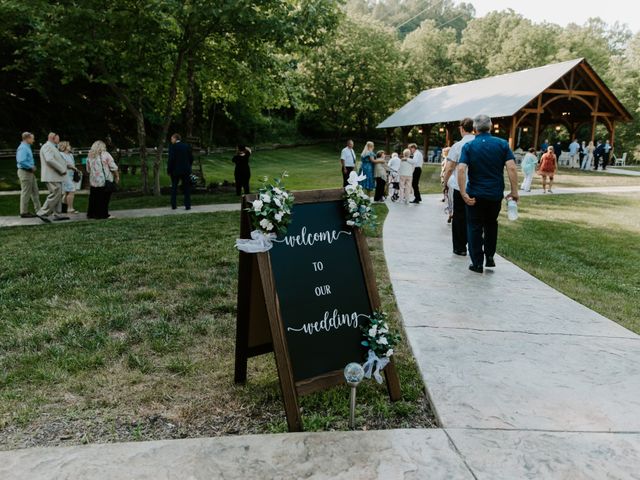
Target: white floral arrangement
[(380, 340), (358, 203), (270, 215)]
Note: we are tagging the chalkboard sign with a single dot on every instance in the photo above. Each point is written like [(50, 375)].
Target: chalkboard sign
[(322, 290), (305, 299)]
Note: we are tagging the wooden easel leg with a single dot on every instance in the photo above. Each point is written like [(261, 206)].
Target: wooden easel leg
[(242, 322), (283, 363), (393, 382)]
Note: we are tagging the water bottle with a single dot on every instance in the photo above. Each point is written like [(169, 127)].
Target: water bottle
[(512, 209)]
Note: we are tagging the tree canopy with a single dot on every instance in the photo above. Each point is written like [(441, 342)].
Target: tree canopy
[(254, 70)]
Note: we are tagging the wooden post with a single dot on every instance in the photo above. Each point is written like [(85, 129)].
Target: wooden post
[(612, 137), (536, 131), (426, 131), (388, 132), (595, 119), (512, 133), (405, 138)]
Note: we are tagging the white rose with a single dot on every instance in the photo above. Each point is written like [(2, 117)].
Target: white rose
[(277, 201), (356, 215), (266, 198), (285, 194), (389, 352), (257, 205), (373, 330), (383, 341), (384, 330), (266, 224), (278, 216), (351, 223), (277, 191), (350, 189)]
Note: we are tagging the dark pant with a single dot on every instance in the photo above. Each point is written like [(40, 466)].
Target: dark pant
[(380, 184), (482, 229), (98, 203), (459, 223), (345, 176), (417, 172), (186, 189), (242, 181)]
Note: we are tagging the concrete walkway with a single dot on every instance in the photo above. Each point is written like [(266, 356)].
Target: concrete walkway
[(623, 171), (511, 364), (132, 213)]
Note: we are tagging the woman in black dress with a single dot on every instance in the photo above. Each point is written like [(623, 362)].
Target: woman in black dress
[(242, 171)]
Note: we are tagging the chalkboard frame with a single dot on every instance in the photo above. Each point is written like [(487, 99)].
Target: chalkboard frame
[(259, 326)]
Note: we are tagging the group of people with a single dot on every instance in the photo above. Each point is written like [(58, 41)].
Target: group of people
[(399, 178), (62, 178), (582, 155)]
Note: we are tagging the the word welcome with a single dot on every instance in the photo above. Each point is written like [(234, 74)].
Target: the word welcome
[(304, 239)]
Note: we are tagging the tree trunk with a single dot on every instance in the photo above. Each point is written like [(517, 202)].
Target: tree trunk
[(168, 114), (142, 142), (191, 96)]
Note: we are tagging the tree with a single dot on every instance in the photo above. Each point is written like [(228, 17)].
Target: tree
[(356, 79), (429, 53)]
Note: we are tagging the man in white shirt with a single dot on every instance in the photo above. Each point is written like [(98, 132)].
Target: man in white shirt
[(418, 160), (574, 149), (459, 221), (347, 161)]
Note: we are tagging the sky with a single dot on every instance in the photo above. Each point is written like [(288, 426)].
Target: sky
[(563, 12)]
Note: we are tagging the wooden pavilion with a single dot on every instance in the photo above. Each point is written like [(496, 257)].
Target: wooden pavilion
[(569, 93)]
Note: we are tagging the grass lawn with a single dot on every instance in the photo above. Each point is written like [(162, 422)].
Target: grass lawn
[(586, 246), (127, 332), (309, 167)]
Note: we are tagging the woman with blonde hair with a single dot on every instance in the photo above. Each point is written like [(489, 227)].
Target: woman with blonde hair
[(68, 186), (548, 168), (368, 158), (103, 176)]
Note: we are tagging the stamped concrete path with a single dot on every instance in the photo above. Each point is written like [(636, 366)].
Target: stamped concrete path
[(523, 378)]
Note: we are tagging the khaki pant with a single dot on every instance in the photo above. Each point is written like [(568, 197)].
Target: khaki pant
[(53, 204), (28, 191), (405, 187)]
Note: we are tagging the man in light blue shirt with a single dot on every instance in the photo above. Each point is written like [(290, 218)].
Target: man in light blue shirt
[(26, 173), (574, 150)]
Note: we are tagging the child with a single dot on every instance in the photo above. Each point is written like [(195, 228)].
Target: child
[(394, 177), (406, 175)]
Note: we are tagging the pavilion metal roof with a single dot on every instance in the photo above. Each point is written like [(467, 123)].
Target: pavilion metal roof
[(499, 96)]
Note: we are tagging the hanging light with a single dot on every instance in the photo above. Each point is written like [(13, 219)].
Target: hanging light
[(525, 129), (558, 128), (441, 129), (420, 130)]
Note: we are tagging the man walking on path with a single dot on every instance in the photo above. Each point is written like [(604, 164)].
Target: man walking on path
[(459, 221), (179, 167), (347, 162), (574, 149), (607, 154), (27, 175), (481, 181), (418, 160), (53, 171)]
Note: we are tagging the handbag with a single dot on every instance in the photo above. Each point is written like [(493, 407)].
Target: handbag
[(76, 176), (109, 185)]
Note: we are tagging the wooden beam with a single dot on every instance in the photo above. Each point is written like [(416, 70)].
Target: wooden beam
[(512, 132), (595, 120), (603, 114), (607, 93), (533, 110), (536, 131), (560, 91)]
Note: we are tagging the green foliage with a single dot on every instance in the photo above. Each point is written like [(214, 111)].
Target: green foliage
[(356, 79)]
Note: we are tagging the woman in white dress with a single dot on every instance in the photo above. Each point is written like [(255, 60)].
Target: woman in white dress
[(68, 186)]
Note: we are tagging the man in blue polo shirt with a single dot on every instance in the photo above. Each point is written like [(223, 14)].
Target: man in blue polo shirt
[(482, 162), (26, 173)]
